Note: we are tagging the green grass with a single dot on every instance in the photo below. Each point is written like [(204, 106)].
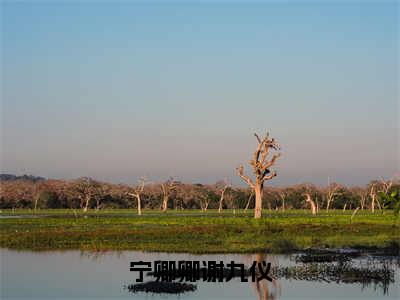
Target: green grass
[(194, 231)]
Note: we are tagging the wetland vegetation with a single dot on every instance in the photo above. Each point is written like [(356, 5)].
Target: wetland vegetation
[(196, 231)]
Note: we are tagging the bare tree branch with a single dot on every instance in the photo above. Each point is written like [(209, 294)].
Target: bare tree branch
[(269, 177), (261, 168), (138, 190), (240, 172)]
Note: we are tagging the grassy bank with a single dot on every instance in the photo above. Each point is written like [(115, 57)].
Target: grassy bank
[(194, 231)]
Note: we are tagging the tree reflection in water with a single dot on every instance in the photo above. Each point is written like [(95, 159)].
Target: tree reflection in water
[(262, 287)]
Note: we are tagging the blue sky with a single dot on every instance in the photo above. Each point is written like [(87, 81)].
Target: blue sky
[(116, 91)]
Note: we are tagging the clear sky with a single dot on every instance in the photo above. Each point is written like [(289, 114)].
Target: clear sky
[(116, 91)]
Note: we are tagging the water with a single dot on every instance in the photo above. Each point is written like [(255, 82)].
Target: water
[(77, 275)]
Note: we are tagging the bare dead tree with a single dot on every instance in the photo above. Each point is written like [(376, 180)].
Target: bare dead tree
[(375, 187), (282, 195), (331, 192), (231, 200), (222, 191), (104, 189), (204, 202), (312, 204), (36, 197), (362, 193), (372, 194), (261, 169), (85, 189), (354, 213), (204, 199), (137, 192), (248, 201), (386, 185), (87, 199), (167, 188)]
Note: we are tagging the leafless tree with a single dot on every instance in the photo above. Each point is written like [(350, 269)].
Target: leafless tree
[(231, 200), (373, 196), (312, 204), (282, 195), (200, 192), (137, 192), (167, 188), (383, 187), (362, 193), (386, 185), (36, 195), (354, 213), (331, 192), (375, 187), (222, 187), (104, 189), (261, 169), (248, 201), (204, 202), (85, 189)]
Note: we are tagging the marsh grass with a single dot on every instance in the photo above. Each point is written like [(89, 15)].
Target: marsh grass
[(194, 231)]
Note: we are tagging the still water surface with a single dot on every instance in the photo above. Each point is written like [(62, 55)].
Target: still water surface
[(78, 275)]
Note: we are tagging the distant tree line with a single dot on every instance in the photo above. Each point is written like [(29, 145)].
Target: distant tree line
[(5, 177), (86, 193)]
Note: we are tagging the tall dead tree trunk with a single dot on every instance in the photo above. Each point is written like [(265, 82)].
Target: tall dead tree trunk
[(98, 204), (385, 188), (372, 194), (312, 204), (87, 200), (353, 214), (165, 202), (331, 193), (283, 197), (261, 169), (204, 205), (386, 185), (137, 194), (167, 188), (362, 200), (221, 199), (248, 201), (258, 193), (36, 196), (204, 201), (362, 195), (139, 205), (36, 202)]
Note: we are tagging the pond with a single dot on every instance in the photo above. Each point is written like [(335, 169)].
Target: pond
[(106, 275)]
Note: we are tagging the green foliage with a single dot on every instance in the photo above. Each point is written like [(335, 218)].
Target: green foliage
[(391, 201), (48, 199)]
